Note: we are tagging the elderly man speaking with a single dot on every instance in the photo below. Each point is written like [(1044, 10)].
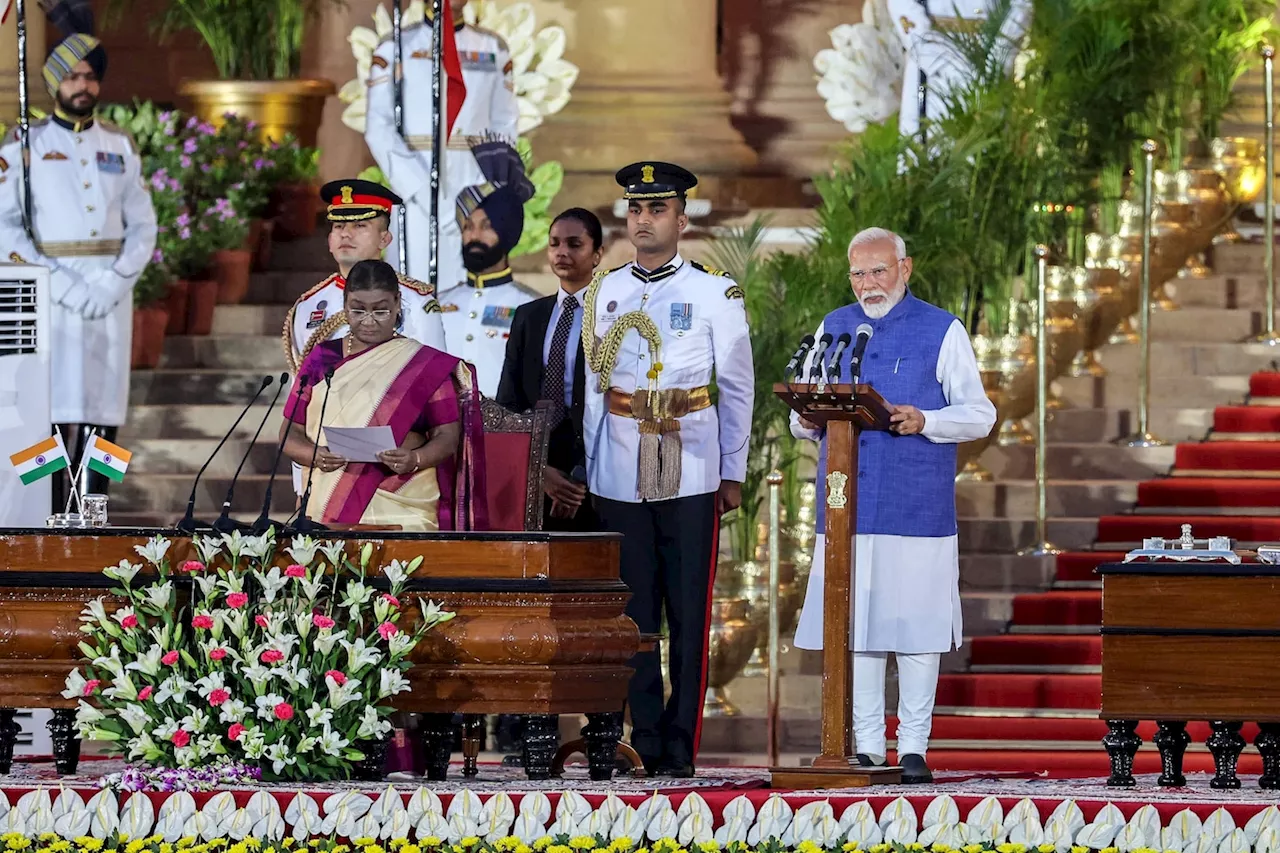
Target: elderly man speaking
[(907, 596)]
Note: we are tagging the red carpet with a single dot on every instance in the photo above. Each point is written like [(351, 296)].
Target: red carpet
[(1067, 607), (1020, 690), (1247, 419), (1264, 384), (1194, 492), (1243, 456), (1135, 528)]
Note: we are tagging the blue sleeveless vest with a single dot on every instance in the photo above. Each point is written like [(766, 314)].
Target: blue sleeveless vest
[(906, 483)]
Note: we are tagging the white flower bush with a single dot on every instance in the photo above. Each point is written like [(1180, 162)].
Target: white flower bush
[(543, 77), (860, 76)]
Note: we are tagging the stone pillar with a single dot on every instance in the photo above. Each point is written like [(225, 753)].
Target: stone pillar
[(36, 53), (649, 90), (767, 59), (328, 56)]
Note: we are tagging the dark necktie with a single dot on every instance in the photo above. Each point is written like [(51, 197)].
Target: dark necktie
[(553, 376)]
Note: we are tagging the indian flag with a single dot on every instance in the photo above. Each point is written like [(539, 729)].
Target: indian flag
[(40, 460), (107, 459)]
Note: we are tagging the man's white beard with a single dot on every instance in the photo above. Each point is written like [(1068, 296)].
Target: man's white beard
[(876, 310)]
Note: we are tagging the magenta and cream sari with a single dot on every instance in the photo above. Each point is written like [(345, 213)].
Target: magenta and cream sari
[(410, 388)]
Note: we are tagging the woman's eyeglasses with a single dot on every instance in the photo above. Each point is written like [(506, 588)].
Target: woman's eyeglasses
[(358, 315)]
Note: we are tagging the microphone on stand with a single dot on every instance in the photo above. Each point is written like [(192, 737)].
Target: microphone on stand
[(303, 524), (264, 522), (224, 523), (795, 365), (188, 524), (864, 333), (815, 372), (833, 366)]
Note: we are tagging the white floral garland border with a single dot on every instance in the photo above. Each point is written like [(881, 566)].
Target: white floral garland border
[(421, 814)]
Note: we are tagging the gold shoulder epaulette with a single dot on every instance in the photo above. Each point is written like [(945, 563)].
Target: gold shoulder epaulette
[(735, 291), (417, 286), (708, 270), (432, 306), (15, 258)]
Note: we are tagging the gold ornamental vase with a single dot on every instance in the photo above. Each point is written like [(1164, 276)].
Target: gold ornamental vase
[(279, 107), (731, 641), (1238, 161)]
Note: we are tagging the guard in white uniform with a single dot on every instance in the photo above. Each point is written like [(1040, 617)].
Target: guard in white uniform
[(94, 228), (490, 217), (663, 462), (932, 54), (907, 596), (489, 109)]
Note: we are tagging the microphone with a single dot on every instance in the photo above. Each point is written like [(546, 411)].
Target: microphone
[(833, 366), (864, 333), (188, 524), (304, 524), (815, 373), (264, 522), (224, 523), (793, 366)]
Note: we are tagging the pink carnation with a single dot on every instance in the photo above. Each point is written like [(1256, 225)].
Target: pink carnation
[(218, 697), (129, 621), (217, 653), (91, 686), (236, 600), (181, 738), (339, 678), (272, 656), (261, 621), (145, 693), (170, 658), (202, 620), (283, 711), (387, 630), (192, 566), (321, 621), (390, 599), (296, 571), (235, 731)]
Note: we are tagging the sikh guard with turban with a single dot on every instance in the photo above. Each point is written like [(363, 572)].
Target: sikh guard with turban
[(94, 227), (477, 313)]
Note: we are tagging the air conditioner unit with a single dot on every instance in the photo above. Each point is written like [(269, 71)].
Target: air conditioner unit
[(25, 343)]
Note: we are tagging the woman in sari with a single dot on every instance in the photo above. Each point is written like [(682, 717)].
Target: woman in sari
[(434, 478)]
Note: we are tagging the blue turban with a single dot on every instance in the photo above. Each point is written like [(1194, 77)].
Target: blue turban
[(502, 195)]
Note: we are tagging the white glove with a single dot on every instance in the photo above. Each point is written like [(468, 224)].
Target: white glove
[(106, 289), (63, 281)]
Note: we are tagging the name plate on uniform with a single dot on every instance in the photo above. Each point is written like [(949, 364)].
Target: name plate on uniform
[(111, 163)]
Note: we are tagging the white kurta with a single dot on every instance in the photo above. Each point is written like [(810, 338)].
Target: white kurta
[(703, 326), (907, 588), (477, 323), (489, 108), (95, 229)]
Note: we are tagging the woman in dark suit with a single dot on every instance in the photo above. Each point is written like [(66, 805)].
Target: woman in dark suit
[(544, 361)]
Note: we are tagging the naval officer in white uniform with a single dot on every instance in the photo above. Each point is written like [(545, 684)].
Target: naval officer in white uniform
[(664, 462), (95, 229), (489, 108), (478, 312), (907, 595)]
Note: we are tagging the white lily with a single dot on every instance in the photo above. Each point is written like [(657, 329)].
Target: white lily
[(372, 726), (272, 582), (208, 548), (155, 549), (196, 721), (396, 572), (87, 715), (211, 682), (236, 622), (208, 585), (122, 688), (160, 596), (391, 682), (343, 694), (357, 593), (174, 687), (141, 746), (359, 655), (166, 730), (432, 614), (401, 644), (95, 611), (311, 586), (111, 663), (326, 640), (124, 572), (303, 549), (319, 717), (335, 550), (255, 745), (233, 711), (266, 706), (148, 663), (280, 756), (75, 685)]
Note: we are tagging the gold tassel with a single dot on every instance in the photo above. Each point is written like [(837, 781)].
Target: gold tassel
[(649, 475), (669, 458)]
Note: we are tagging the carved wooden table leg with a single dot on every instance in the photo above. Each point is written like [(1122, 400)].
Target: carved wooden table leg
[(602, 733), (540, 739), (1225, 743), (66, 745), (1171, 739), (437, 736), (472, 741), (8, 739), (1268, 744), (1121, 742)]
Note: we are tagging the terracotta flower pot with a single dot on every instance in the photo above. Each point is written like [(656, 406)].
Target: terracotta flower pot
[(202, 298), (231, 271), (148, 335), (176, 303), (261, 247), (295, 208)]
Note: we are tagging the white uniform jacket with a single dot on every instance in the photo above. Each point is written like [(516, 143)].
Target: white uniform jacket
[(95, 228), (489, 108), (702, 323), (477, 317)]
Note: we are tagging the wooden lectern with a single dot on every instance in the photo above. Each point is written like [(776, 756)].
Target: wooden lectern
[(844, 411)]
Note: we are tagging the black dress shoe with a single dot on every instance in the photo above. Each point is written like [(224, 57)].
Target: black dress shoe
[(864, 760), (914, 770), (674, 769)]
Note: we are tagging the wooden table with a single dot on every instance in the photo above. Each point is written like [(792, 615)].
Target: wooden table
[(1186, 642), (541, 630)]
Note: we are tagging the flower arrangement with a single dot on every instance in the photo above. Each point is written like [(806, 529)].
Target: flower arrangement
[(418, 822), (543, 77), (860, 76), (289, 669)]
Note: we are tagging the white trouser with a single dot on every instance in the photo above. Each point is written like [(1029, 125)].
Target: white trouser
[(917, 686)]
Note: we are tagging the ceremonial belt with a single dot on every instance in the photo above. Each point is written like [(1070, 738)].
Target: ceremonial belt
[(653, 405), (456, 143), (82, 248)]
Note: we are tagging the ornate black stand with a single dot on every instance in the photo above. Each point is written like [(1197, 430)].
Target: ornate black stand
[(1268, 744), (8, 739), (1121, 742), (437, 737), (1225, 744), (472, 742), (371, 768), (66, 745), (1172, 740), (540, 740), (602, 733)]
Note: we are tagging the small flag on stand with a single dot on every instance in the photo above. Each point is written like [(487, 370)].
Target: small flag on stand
[(107, 459), (40, 460)]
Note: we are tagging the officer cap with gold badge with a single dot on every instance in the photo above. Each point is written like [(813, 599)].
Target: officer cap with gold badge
[(352, 200), (653, 179)]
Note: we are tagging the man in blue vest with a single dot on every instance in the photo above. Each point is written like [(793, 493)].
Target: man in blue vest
[(907, 596)]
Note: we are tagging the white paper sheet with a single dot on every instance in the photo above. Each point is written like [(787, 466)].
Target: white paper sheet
[(359, 444)]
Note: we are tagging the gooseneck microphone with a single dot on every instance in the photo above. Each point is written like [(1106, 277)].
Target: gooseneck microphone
[(188, 524), (864, 333), (833, 366), (795, 365), (224, 522), (264, 522), (815, 372), (303, 524)]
